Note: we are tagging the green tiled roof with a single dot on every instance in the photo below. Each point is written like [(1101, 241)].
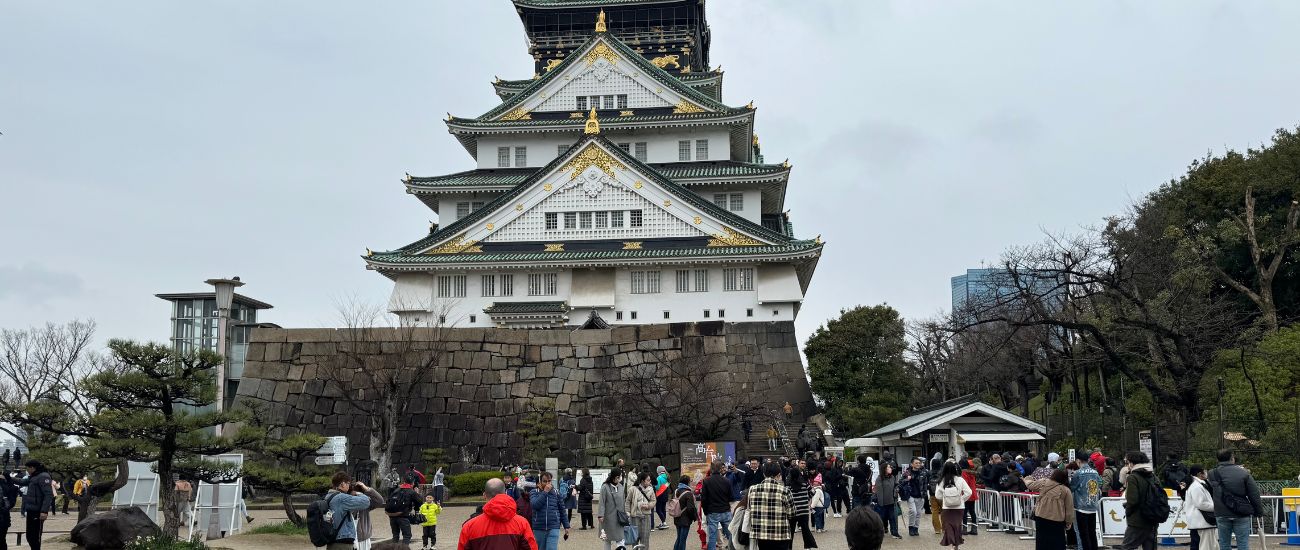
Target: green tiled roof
[(739, 223), (501, 177), (612, 121), (659, 75), (397, 257), (527, 307)]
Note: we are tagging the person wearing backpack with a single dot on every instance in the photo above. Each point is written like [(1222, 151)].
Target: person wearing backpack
[(329, 520), (683, 510), (1086, 484), (950, 493), (401, 504), (1143, 501), (1174, 476), (1236, 501)]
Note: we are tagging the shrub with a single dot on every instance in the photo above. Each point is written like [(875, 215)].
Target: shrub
[(469, 483), (163, 542), (282, 528)]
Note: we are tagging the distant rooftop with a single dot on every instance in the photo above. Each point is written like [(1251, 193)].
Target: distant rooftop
[(239, 298)]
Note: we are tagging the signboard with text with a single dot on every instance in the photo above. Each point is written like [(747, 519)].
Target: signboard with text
[(696, 457)]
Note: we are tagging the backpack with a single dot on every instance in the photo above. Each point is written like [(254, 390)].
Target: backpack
[(674, 506), (952, 497), (1115, 483), (320, 522), (1154, 508), (398, 502)]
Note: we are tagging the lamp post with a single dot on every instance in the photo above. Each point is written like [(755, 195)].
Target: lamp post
[(225, 289)]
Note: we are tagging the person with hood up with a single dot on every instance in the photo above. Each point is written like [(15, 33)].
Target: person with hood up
[(1137, 489), (1174, 476), (499, 527)]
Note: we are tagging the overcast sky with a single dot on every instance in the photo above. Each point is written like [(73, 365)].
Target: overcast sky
[(149, 145)]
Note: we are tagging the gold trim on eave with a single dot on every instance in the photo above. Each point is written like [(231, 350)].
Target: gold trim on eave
[(631, 245), (598, 51), (593, 125), (590, 156), (555, 247), (685, 107), (456, 246), (733, 238), (519, 113)]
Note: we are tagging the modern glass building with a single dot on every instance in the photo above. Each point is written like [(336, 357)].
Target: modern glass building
[(195, 325), (986, 287)]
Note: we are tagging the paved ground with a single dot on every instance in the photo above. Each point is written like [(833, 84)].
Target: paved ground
[(450, 521)]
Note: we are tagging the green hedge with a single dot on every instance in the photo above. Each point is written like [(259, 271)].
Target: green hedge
[(469, 483)]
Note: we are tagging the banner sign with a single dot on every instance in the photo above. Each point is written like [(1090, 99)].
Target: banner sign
[(1113, 522), (696, 457)]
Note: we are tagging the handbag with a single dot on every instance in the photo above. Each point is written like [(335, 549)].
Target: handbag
[(417, 518), (623, 519)]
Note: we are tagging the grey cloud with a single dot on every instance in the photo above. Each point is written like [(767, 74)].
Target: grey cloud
[(33, 284)]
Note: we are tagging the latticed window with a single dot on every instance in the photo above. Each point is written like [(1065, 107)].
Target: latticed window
[(622, 101), (608, 102), (582, 103), (542, 284), (503, 157), (634, 218), (552, 220), (584, 220), (489, 285), (737, 202), (702, 281), (521, 157), (561, 149), (738, 278), (570, 220), (507, 284), (640, 151), (626, 147), (645, 282), (683, 280), (602, 220), (451, 286), (720, 199), (616, 218), (683, 150), (701, 149)]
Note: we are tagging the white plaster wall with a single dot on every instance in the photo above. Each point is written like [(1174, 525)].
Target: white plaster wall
[(753, 207), (661, 144), (447, 204), (682, 306), (656, 222)]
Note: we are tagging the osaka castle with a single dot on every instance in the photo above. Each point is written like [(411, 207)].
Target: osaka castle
[(612, 187)]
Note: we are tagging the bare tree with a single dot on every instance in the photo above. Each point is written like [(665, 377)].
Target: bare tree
[(380, 367), (691, 396), (46, 363), (1266, 257)]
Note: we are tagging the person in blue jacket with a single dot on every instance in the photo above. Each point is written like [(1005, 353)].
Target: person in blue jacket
[(549, 515)]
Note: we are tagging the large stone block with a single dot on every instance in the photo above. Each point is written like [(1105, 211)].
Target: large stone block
[(553, 337), (589, 337)]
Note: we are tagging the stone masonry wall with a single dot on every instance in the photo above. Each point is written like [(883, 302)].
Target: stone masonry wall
[(474, 402)]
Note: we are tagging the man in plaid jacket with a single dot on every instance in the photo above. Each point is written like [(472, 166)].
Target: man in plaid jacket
[(770, 510)]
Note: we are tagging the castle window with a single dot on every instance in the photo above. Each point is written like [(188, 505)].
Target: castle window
[(582, 103), (701, 149), (634, 218), (521, 157), (684, 150), (584, 220), (645, 282), (737, 202), (738, 278), (451, 286), (552, 220), (616, 218), (570, 220), (622, 101), (503, 157), (640, 151), (542, 284), (602, 220)]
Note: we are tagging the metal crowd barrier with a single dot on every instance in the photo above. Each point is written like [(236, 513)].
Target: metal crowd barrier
[(1006, 512), (1013, 513)]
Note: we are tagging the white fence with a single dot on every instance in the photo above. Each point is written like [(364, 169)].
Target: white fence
[(1013, 513)]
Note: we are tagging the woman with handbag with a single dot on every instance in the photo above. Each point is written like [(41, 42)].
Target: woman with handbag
[(640, 504), (1198, 512), (1054, 510), (613, 511)]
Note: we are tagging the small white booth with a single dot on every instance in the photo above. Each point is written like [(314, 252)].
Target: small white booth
[(962, 425)]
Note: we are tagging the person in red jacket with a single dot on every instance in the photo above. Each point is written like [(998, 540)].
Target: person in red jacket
[(968, 474), (499, 527)]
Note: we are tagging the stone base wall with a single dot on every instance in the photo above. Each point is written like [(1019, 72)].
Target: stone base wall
[(472, 404)]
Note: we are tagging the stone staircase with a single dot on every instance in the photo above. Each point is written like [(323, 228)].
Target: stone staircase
[(757, 447)]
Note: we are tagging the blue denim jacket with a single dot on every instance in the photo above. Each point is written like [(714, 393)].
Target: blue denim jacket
[(342, 505), (1087, 489)]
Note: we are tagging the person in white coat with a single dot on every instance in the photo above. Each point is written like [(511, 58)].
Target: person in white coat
[(1198, 512)]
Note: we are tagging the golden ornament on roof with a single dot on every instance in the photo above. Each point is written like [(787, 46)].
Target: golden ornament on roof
[(600, 22), (593, 125), (786, 163), (592, 155), (456, 245), (555, 247), (553, 64), (685, 107), (664, 61), (519, 113), (733, 238), (369, 252), (407, 179)]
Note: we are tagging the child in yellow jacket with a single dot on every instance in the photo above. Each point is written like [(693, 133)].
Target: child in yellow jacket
[(430, 511)]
